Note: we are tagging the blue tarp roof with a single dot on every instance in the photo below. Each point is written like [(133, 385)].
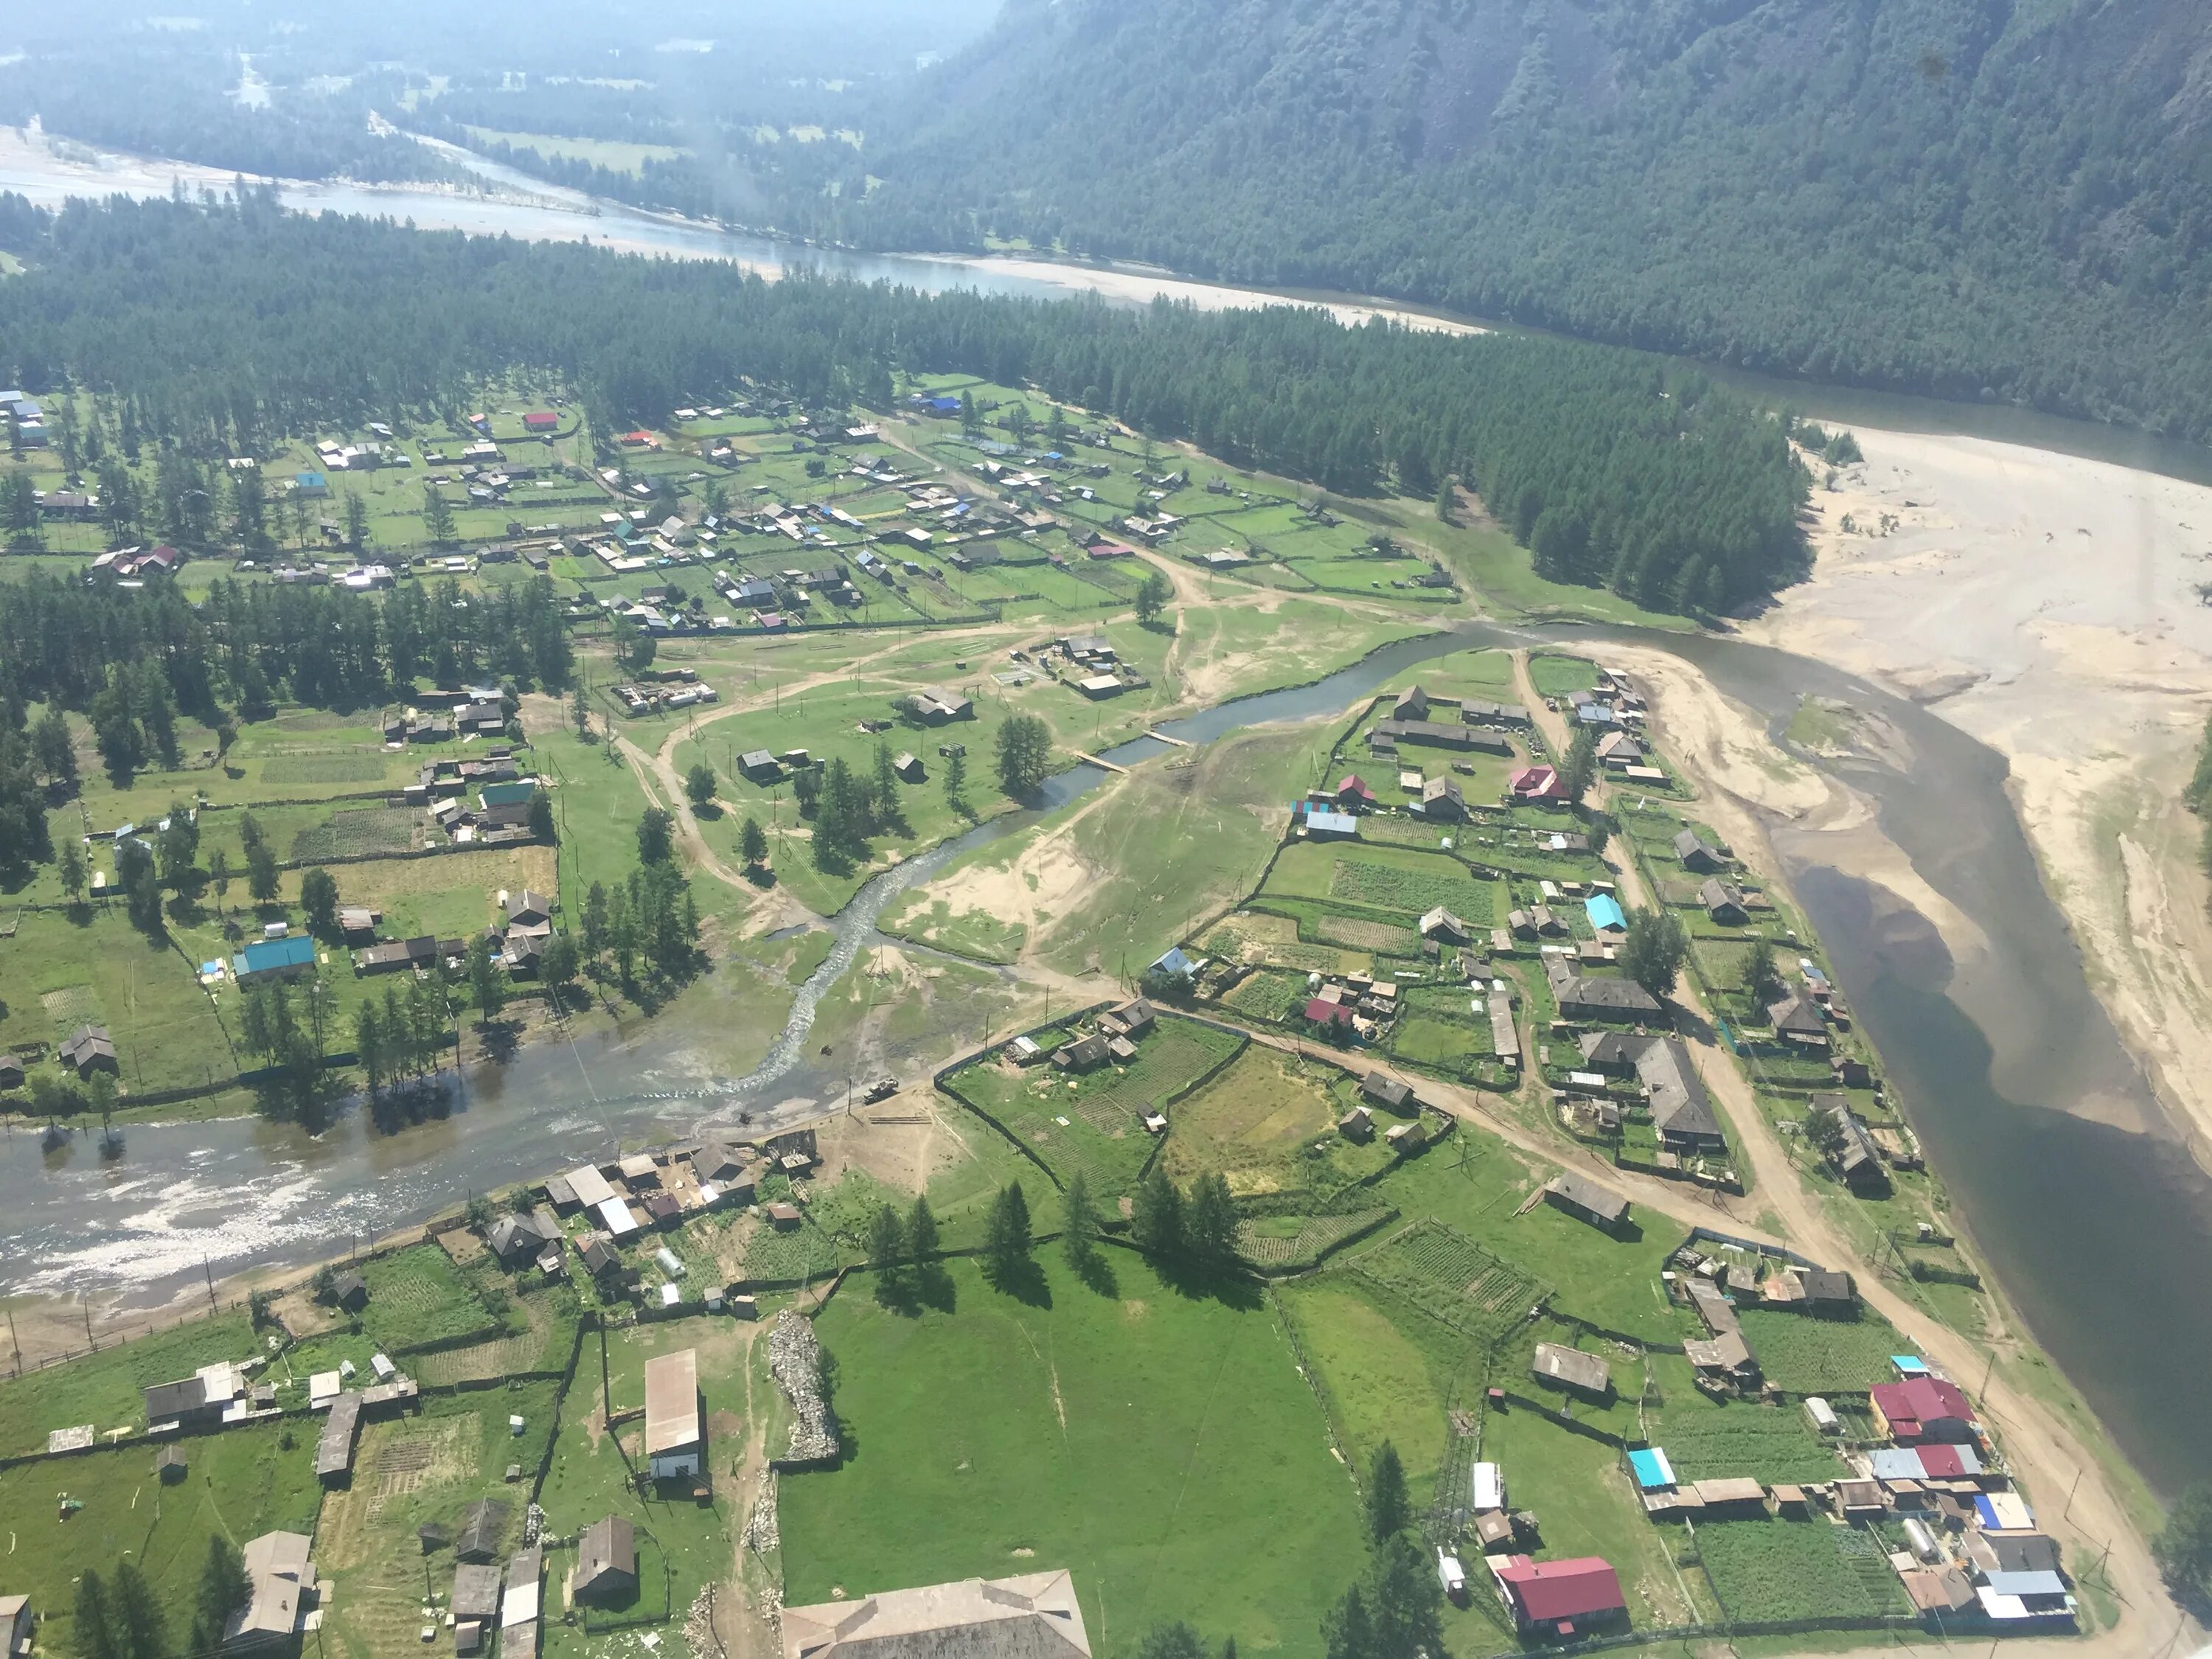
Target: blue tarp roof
[(1604, 911), (1653, 1472), (1909, 1364)]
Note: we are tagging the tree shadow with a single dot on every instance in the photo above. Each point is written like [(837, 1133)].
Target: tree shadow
[(1200, 1281), (712, 812), (1096, 1272), (498, 1039), (1021, 1279), (933, 1287)]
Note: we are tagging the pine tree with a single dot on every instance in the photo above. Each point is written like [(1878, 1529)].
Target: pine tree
[(137, 1615), (1210, 1221), (1158, 1216), (97, 1632), (921, 1230), (752, 844), (1006, 1244), (1079, 1219), (956, 780)]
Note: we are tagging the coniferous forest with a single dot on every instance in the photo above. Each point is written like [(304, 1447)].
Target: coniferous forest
[(1969, 198)]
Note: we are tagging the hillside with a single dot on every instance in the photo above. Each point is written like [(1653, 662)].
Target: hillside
[(1971, 198)]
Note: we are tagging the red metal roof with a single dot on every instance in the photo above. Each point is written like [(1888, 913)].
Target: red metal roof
[(1324, 1012), (1922, 1399), (541, 417), (1549, 1590), (1942, 1463)]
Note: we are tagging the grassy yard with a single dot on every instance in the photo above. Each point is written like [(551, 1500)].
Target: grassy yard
[(240, 1483), (1162, 1447), (62, 968), (1249, 1121), (1394, 880), (417, 1298), (1093, 1121), (102, 1389), (684, 1544)]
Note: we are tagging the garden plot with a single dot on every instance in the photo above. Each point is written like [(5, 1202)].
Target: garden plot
[(1784, 1570), (1453, 1279)]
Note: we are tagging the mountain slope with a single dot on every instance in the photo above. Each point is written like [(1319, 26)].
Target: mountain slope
[(1999, 197)]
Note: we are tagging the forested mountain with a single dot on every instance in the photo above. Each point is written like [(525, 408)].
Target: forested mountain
[(220, 327), (1972, 197)]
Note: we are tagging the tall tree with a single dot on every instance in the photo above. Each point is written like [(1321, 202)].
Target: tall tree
[(1210, 1222), (319, 901), (655, 835), (1007, 1242), (1157, 1220), (1023, 750), (487, 982), (752, 844), (1580, 768), (437, 517), (1079, 1219), (1654, 950)]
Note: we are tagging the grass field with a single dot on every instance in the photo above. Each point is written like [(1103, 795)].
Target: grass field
[(1400, 881), (1387, 1371), (240, 1483), (1709, 1440), (1776, 1570), (1248, 1122), (970, 933), (1162, 1447), (1452, 1280), (103, 1388)]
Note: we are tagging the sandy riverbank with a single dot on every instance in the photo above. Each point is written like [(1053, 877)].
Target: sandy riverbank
[(2047, 606), (1138, 286)]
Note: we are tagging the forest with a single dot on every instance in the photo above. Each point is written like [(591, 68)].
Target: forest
[(1969, 198), (217, 328)]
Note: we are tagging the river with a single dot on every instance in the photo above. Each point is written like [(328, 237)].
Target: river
[(2099, 1234)]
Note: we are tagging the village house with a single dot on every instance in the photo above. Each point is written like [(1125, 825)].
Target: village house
[(1583, 997), (1797, 1019), (606, 1560), (675, 1435), (1390, 1093), (1922, 1408), (1081, 1054), (1723, 903), (1560, 1598), (281, 1578), (1441, 799), (214, 1393), (1699, 855), (1537, 786), (90, 1048), (1578, 1195), (1572, 1369), (15, 1622)]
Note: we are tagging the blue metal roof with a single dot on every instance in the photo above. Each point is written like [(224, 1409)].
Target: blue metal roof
[(1331, 823), (1604, 912), (1175, 962), (1653, 1472), (268, 955)]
